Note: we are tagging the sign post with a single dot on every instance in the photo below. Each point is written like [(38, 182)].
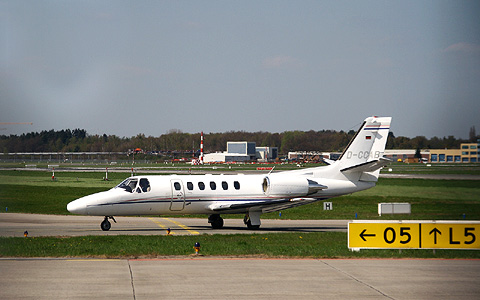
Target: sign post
[(327, 206), (414, 235)]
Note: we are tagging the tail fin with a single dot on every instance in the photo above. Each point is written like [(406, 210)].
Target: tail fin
[(364, 154)]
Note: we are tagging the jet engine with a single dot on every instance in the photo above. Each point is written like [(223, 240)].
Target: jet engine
[(290, 186)]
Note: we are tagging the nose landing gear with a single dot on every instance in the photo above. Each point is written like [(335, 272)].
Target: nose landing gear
[(106, 225)]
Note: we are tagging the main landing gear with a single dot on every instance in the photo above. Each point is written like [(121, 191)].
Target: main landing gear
[(247, 220), (106, 225), (252, 220), (216, 221)]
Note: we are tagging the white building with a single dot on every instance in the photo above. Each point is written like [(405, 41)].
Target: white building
[(221, 157), (265, 154), (242, 152)]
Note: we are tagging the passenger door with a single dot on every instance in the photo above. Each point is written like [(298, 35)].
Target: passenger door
[(178, 195)]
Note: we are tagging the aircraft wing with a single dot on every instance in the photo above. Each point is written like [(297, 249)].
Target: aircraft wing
[(271, 205)]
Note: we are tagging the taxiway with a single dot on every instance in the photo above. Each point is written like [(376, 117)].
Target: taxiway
[(224, 278), (14, 225)]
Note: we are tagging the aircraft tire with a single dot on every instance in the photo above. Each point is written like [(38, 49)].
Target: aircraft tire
[(106, 225), (250, 226), (216, 222)]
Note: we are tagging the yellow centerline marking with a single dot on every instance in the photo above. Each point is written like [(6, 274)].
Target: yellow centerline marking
[(161, 225), (183, 226)]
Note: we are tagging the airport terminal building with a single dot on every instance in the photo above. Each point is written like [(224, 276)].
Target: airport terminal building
[(468, 153)]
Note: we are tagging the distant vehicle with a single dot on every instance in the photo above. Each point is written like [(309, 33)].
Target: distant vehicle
[(356, 169)]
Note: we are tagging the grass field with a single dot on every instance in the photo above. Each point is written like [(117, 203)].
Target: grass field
[(35, 192), (436, 168), (315, 245)]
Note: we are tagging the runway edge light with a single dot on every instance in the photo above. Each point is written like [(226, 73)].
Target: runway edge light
[(197, 248)]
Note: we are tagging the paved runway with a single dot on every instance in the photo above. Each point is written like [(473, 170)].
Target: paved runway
[(15, 225), (217, 278)]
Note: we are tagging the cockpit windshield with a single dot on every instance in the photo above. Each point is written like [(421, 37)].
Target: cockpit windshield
[(134, 185)]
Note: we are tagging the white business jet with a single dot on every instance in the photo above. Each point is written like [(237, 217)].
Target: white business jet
[(357, 169)]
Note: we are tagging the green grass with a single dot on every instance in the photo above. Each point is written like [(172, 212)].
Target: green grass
[(312, 245), (433, 168), (35, 192), (65, 179)]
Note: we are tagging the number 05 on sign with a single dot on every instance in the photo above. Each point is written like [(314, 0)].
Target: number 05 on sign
[(414, 235)]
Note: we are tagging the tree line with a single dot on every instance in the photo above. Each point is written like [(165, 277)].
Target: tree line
[(78, 140)]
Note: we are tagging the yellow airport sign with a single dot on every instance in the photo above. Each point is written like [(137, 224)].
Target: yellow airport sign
[(414, 235), (451, 235)]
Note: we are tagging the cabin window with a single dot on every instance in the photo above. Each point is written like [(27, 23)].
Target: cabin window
[(201, 186), (236, 184), (177, 186), (189, 186), (213, 185), (145, 185), (224, 185)]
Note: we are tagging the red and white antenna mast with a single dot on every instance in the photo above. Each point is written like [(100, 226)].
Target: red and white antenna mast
[(201, 148)]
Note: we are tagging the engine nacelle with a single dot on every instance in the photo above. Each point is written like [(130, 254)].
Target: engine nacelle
[(285, 186)]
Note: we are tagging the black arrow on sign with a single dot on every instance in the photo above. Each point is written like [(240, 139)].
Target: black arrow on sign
[(435, 231), (363, 235)]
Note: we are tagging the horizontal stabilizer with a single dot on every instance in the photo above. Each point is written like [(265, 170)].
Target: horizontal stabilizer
[(328, 161), (369, 166)]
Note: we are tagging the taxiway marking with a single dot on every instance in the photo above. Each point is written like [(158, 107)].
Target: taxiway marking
[(182, 226), (160, 224)]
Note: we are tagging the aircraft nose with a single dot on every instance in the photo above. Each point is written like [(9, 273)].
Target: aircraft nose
[(77, 207)]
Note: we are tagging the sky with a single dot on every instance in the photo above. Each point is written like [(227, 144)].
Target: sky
[(149, 67)]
